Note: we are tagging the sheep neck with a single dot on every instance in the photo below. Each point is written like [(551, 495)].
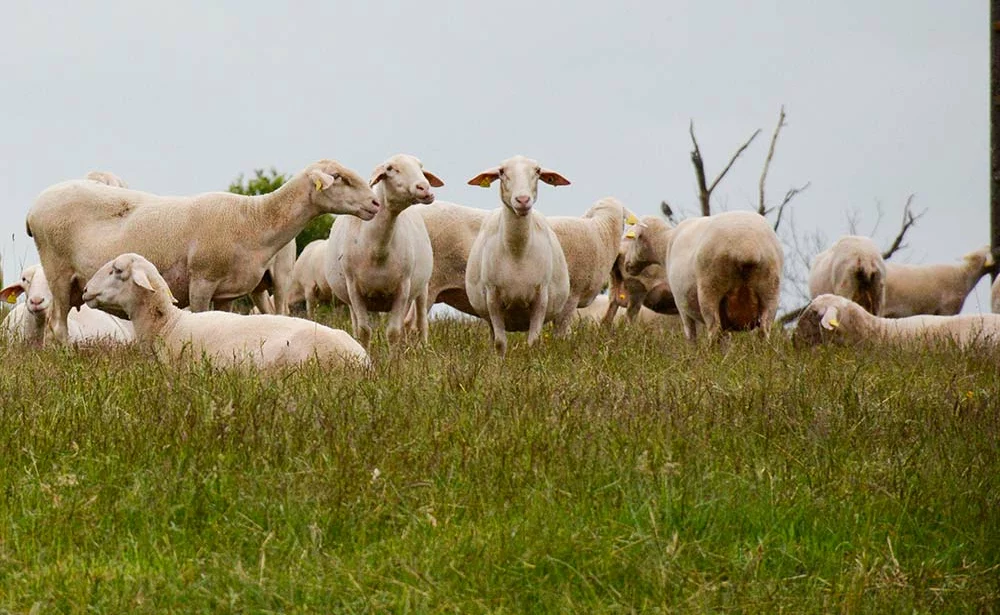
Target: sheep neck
[(154, 317), (972, 271), (515, 231), (276, 218)]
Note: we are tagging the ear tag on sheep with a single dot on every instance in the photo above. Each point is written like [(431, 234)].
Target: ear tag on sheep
[(319, 185), (485, 183), (12, 298), (833, 322), (630, 234), (622, 296), (631, 219)]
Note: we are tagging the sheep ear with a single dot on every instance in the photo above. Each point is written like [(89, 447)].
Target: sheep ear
[(487, 177), (552, 178), (629, 234), (11, 293), (321, 180), (830, 321), (433, 179), (631, 218), (140, 278), (377, 175)]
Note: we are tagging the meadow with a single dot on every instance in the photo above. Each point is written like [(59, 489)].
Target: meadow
[(609, 472)]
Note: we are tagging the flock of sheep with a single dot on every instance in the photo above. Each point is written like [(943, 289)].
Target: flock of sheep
[(114, 252)]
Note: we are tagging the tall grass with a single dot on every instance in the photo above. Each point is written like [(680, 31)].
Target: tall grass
[(606, 472)]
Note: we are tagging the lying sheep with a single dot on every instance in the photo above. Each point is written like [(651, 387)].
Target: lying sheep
[(838, 319), (384, 265), (725, 272), (639, 277), (933, 289), (309, 278), (132, 284), (517, 276), (213, 246), (852, 267), (27, 320), (590, 245)]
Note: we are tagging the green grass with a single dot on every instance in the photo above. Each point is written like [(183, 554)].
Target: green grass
[(606, 472)]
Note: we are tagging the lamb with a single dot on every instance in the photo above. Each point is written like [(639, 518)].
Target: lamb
[(639, 277), (934, 289), (590, 245), (132, 284), (309, 278), (725, 272), (213, 246), (107, 178), (838, 319), (27, 320), (852, 267), (517, 276), (385, 264)]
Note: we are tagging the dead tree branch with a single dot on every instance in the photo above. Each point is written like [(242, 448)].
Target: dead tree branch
[(762, 208), (668, 212), (784, 202), (909, 219), (704, 190)]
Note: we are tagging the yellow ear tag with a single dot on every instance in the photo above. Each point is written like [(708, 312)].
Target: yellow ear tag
[(630, 234), (833, 322), (485, 183), (622, 296), (319, 185), (631, 219), (12, 298)]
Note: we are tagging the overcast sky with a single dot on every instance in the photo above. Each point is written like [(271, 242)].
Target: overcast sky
[(883, 99)]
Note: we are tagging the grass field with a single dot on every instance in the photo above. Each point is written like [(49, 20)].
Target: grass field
[(608, 472)]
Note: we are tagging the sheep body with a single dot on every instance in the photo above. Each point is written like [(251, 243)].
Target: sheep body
[(132, 283), (639, 276), (309, 282), (852, 267), (725, 272), (210, 246), (452, 230), (938, 289)]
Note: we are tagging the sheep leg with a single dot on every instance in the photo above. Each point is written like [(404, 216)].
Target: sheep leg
[(566, 316), (58, 327), (311, 304), (709, 308), (359, 314), (200, 293), (280, 299), (420, 304), (690, 327), (262, 300), (538, 308), (497, 326), (609, 315), (635, 302), (400, 305)]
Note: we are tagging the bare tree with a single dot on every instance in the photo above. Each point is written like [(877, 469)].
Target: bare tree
[(762, 207), (909, 219), (704, 190)]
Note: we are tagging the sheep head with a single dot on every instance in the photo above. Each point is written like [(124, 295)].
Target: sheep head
[(336, 189), (125, 282), (34, 283), (518, 182), (404, 181), (827, 318)]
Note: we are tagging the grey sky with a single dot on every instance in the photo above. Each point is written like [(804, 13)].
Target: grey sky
[(883, 99)]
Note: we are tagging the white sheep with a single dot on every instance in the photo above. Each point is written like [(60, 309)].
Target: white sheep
[(213, 246), (590, 244), (933, 289), (838, 319), (309, 282), (516, 275), (639, 277), (384, 265), (107, 178), (27, 320), (852, 267), (725, 272), (132, 284)]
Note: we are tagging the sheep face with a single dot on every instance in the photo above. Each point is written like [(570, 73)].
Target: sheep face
[(828, 318), (404, 181), (637, 251), (35, 285), (120, 282), (518, 182), (339, 190)]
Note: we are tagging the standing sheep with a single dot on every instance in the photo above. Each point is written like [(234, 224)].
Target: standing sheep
[(132, 284), (640, 273), (309, 278), (852, 267), (934, 289), (384, 265), (725, 272), (517, 276), (213, 246)]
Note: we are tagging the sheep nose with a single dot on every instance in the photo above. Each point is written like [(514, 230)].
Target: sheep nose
[(423, 188), (36, 300), (523, 200)]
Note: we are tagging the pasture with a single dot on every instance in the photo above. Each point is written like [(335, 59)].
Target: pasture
[(623, 471)]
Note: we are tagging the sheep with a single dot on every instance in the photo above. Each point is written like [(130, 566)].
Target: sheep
[(838, 319), (213, 246), (309, 278), (27, 320), (995, 296), (934, 289), (639, 276), (725, 272), (597, 312), (590, 245), (385, 264), (852, 267), (132, 284), (517, 276), (107, 178)]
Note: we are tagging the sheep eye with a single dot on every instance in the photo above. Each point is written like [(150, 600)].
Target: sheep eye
[(389, 169), (115, 270), (538, 171)]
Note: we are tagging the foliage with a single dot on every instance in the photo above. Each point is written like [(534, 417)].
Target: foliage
[(264, 182)]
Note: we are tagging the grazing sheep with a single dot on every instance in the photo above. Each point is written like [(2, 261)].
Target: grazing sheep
[(213, 246), (107, 178), (309, 278), (933, 289), (840, 320), (590, 245), (517, 276), (639, 277), (852, 267), (725, 272), (384, 265), (132, 284), (27, 320)]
